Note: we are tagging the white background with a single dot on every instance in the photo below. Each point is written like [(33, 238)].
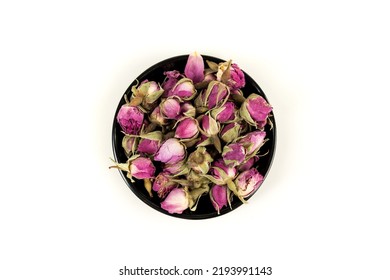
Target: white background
[(323, 211)]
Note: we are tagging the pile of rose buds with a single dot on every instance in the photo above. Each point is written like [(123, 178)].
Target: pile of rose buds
[(195, 135)]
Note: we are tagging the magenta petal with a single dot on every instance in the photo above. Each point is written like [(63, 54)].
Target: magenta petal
[(194, 68), (170, 82), (237, 78), (227, 113), (162, 184), (175, 202), (148, 146), (171, 151), (258, 108), (130, 119), (216, 96), (253, 141), (170, 108), (233, 154), (229, 170), (248, 164), (187, 128), (142, 168), (183, 90), (248, 182), (219, 196)]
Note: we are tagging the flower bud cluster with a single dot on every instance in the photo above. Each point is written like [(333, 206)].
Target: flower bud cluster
[(197, 134)]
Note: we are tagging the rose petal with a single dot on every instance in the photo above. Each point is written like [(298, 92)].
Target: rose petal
[(175, 202)]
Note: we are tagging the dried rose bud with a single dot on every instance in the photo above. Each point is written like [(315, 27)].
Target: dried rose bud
[(194, 68), (130, 119), (187, 128), (188, 110), (224, 113), (199, 160), (248, 182), (230, 132), (216, 94), (219, 197), (171, 151), (230, 74), (163, 184), (177, 169), (221, 173), (170, 108), (252, 142), (137, 167), (146, 93), (233, 154), (142, 168), (248, 164), (237, 77), (255, 110), (176, 201), (150, 142), (209, 126), (157, 117), (170, 81), (184, 89), (129, 144)]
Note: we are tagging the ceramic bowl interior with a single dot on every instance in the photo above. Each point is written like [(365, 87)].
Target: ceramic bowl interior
[(205, 209)]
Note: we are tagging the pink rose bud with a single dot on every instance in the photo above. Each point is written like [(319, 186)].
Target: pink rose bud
[(171, 151), (255, 110), (157, 117), (194, 68), (215, 94), (248, 182), (230, 74), (171, 79), (146, 94), (148, 146), (176, 169), (163, 184), (252, 142), (130, 119), (184, 89), (219, 197), (188, 110), (170, 108), (237, 78), (142, 168), (176, 201), (224, 113), (222, 173), (248, 164), (233, 154), (230, 132), (210, 126), (150, 142), (187, 128)]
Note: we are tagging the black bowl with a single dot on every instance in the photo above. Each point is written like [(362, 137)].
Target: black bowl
[(205, 209)]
